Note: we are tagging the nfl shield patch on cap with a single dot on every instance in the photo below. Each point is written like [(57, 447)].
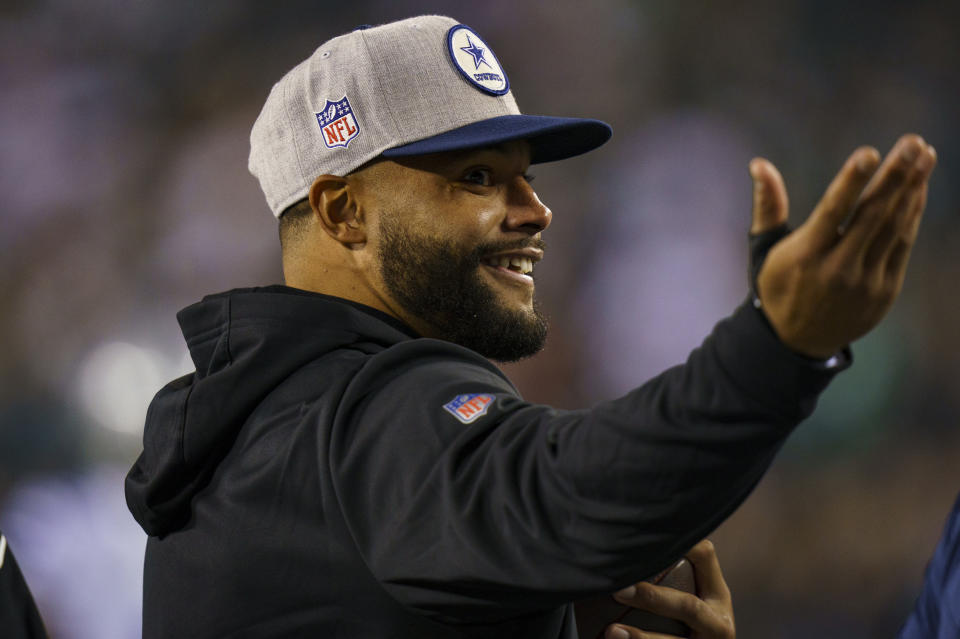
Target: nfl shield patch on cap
[(338, 123)]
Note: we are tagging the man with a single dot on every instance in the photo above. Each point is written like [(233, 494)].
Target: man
[(346, 461)]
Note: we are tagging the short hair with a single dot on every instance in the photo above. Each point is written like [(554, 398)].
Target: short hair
[(294, 222)]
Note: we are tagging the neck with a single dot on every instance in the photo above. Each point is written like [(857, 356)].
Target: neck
[(340, 282)]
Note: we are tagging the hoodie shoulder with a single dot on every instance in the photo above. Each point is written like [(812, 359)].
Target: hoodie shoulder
[(245, 345)]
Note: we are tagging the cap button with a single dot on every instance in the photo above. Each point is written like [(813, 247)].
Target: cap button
[(363, 27)]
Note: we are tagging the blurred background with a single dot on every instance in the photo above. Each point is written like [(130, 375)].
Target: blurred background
[(125, 196)]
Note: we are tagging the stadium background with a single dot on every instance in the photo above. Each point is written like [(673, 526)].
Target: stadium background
[(125, 197)]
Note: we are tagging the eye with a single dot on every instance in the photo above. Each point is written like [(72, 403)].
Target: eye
[(529, 177), (482, 177)]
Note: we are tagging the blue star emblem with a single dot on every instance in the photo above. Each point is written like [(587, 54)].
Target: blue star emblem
[(476, 52)]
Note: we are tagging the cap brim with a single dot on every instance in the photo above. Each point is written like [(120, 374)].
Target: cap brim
[(550, 138)]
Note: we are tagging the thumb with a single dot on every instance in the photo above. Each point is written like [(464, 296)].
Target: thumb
[(770, 204)]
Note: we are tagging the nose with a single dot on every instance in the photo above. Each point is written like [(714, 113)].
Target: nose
[(525, 211)]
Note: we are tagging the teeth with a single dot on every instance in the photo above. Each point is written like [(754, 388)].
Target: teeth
[(520, 264)]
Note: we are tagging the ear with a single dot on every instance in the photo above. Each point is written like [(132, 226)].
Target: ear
[(336, 208)]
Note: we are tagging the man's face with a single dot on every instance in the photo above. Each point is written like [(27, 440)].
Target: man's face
[(457, 236)]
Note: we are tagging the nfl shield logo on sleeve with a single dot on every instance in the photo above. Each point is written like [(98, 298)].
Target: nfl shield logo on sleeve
[(469, 407), (338, 123)]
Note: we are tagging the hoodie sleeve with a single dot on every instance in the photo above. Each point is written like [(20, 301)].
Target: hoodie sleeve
[(468, 503)]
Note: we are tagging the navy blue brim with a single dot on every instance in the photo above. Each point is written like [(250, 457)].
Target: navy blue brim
[(550, 138)]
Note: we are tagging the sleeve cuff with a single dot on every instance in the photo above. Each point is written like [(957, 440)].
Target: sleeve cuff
[(841, 360)]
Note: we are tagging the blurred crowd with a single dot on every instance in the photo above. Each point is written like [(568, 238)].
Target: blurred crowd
[(125, 196)]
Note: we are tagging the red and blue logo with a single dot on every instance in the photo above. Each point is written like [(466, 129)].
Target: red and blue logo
[(469, 407), (338, 123)]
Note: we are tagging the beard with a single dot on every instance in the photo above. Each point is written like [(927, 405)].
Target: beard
[(441, 285)]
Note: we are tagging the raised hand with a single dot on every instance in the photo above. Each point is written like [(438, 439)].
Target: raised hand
[(834, 278)]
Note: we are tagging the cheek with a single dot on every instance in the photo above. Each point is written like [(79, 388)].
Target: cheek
[(469, 218), (444, 214)]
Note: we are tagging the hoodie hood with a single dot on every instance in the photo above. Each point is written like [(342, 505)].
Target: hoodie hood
[(243, 343)]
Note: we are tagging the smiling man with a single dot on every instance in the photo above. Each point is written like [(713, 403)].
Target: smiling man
[(449, 241), (347, 462)]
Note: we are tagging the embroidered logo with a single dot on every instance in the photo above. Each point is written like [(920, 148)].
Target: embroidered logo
[(476, 61), (338, 123), (469, 407)]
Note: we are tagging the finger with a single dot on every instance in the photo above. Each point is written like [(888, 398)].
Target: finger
[(915, 216), (706, 568), (896, 262), (770, 203), (887, 235), (884, 196), (903, 221), (619, 631), (897, 164), (841, 196), (674, 604)]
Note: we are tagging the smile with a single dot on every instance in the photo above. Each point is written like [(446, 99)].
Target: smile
[(515, 266), (514, 263)]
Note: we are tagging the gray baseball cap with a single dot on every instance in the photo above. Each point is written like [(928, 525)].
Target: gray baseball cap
[(421, 85)]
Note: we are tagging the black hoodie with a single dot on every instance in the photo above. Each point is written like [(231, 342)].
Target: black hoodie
[(326, 473)]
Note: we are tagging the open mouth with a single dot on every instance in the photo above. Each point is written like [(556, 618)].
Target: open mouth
[(516, 263)]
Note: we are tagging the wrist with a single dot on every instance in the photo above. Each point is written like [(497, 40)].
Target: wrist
[(825, 358)]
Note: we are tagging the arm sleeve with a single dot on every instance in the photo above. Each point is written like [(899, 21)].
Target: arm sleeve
[(526, 507)]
